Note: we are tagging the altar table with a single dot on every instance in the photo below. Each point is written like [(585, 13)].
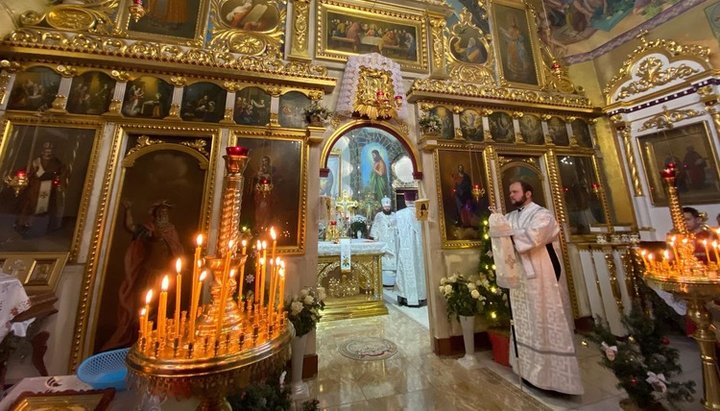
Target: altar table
[(356, 292)]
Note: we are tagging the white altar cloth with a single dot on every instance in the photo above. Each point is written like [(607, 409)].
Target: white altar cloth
[(358, 246)]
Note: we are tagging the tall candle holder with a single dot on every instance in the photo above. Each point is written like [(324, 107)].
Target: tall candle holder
[(229, 344), (681, 273)]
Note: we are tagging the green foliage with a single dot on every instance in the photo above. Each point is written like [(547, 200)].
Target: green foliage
[(645, 350), (263, 396), (494, 307), (311, 405), (358, 223), (304, 310)]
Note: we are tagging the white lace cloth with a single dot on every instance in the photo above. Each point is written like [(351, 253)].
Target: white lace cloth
[(349, 85), (13, 301), (358, 247)]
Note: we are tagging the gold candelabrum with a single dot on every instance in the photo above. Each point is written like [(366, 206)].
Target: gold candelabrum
[(477, 192), (136, 10), (216, 349), (680, 271), (17, 182)]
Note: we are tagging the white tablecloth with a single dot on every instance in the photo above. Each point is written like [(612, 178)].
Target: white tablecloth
[(13, 301)]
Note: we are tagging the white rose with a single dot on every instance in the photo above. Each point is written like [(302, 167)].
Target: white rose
[(452, 278), (321, 294), (475, 294), (471, 286), (304, 292), (448, 289), (309, 300), (442, 289), (296, 307), (443, 281)]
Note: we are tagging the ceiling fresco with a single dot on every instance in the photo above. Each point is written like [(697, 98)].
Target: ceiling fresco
[(584, 29)]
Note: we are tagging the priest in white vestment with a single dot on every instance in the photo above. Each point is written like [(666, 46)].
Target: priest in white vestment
[(410, 262), (384, 228), (546, 356)]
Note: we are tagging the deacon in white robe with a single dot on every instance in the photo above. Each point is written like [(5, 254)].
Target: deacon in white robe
[(410, 262), (384, 228), (542, 319)]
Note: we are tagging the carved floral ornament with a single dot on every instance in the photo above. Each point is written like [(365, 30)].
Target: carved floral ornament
[(654, 64), (668, 118)]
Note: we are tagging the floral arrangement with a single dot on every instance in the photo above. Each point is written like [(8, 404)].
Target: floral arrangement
[(358, 223), (304, 310), (461, 296), (430, 123), (315, 112)]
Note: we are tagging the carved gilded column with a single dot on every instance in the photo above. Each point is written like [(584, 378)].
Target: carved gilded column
[(438, 67), (623, 130), (299, 46), (559, 206)]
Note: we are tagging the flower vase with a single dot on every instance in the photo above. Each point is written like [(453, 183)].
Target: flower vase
[(299, 390), (467, 323)]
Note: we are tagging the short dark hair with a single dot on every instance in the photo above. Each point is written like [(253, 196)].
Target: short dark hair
[(692, 211), (524, 184)]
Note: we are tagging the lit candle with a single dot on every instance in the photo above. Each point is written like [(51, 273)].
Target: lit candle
[(715, 249), (707, 250), (643, 253), (666, 259), (673, 245), (263, 273), (178, 295), (196, 266), (281, 275), (194, 306), (148, 298), (274, 242), (258, 266), (223, 302), (651, 262), (244, 247), (162, 308), (143, 321), (224, 286)]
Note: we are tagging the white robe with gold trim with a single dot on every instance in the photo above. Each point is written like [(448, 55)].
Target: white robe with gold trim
[(540, 307)]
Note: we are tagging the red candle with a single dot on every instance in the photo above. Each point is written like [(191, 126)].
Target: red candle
[(21, 173), (237, 151)]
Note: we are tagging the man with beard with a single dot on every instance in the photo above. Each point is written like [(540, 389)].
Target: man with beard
[(384, 229), (543, 333), (45, 193), (154, 246)]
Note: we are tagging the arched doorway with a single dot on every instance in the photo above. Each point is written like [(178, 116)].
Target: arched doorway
[(361, 164)]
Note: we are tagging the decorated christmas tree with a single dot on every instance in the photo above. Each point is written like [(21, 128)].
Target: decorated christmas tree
[(643, 362), (494, 300)]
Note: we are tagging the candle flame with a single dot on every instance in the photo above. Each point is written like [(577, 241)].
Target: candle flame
[(715, 243), (643, 252), (684, 241), (231, 244), (282, 264), (264, 244), (244, 243), (200, 262), (704, 242), (666, 254), (258, 245), (165, 283), (272, 233), (178, 265), (651, 256), (262, 261), (148, 297), (199, 240), (232, 273), (203, 275), (277, 260), (282, 272), (142, 312)]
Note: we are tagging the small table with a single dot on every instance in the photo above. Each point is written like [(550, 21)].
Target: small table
[(19, 315)]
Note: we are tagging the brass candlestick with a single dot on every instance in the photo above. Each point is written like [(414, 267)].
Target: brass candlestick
[(686, 277), (229, 344)]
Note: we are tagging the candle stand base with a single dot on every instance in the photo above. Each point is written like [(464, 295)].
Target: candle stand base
[(698, 292)]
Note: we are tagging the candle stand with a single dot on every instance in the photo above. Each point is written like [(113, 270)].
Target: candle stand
[(679, 271), (220, 348)]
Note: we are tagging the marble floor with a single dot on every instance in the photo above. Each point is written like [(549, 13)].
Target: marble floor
[(417, 379)]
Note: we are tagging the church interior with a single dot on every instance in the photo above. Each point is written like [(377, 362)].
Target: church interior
[(301, 185)]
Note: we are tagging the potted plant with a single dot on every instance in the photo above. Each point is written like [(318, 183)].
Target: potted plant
[(316, 114), (430, 124), (644, 363), (461, 298), (303, 311)]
